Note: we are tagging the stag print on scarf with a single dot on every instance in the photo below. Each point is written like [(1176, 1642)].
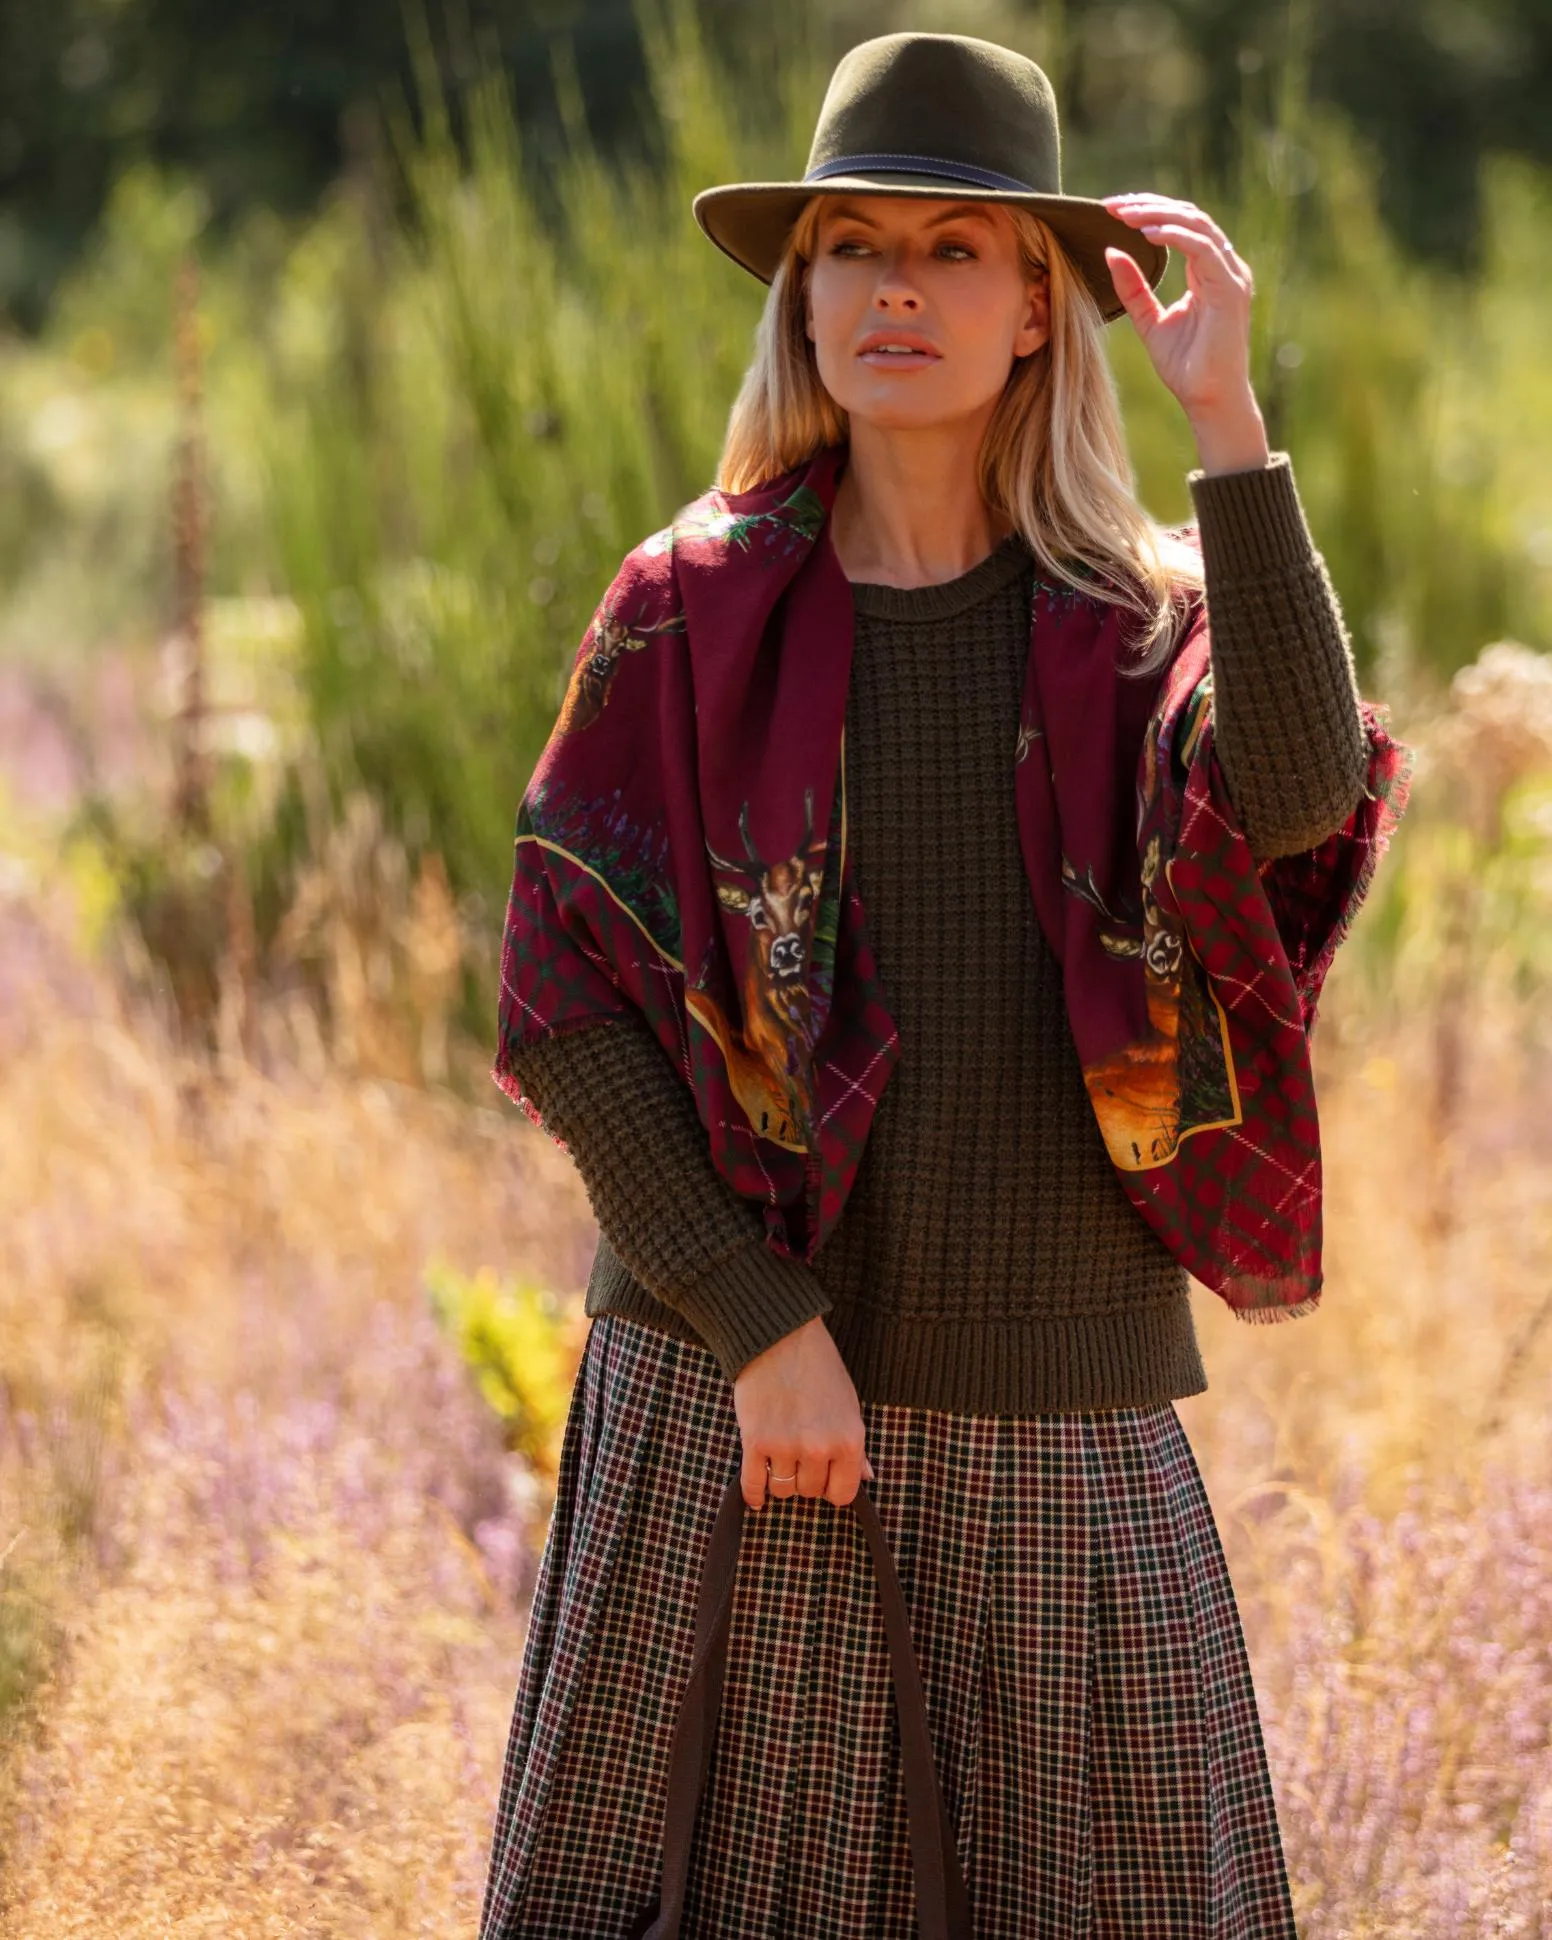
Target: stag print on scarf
[(770, 1063), (1179, 1079), (592, 677)]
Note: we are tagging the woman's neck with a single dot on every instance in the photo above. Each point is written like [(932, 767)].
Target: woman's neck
[(909, 510)]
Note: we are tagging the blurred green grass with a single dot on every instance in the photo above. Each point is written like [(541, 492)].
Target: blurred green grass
[(436, 414)]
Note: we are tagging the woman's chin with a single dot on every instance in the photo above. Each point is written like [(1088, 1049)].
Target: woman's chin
[(905, 407)]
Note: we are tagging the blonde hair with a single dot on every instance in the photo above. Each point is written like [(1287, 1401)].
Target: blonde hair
[(1053, 461)]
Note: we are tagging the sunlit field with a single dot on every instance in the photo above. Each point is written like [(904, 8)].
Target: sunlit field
[(268, 1542), (299, 525)]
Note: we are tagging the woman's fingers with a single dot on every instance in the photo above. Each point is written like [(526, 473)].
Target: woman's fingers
[(846, 1474), (1192, 244), (1133, 288), (776, 1477), (1147, 212), (761, 1472), (1143, 206), (1199, 345), (752, 1478)]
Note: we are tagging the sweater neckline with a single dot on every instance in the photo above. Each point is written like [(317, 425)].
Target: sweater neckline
[(1001, 565)]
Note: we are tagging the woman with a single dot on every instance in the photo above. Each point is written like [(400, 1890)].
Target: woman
[(899, 944)]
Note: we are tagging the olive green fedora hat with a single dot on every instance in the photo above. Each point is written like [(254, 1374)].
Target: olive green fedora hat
[(932, 115)]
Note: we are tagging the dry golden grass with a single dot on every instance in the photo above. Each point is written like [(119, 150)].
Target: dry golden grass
[(305, 1753), (1380, 1474), (242, 1475), (269, 1556)]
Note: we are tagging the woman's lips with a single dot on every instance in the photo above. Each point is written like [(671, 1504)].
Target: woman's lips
[(885, 350)]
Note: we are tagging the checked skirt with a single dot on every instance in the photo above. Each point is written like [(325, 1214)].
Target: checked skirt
[(1092, 1712)]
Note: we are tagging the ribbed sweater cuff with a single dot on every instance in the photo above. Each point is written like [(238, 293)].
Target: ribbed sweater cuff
[(1251, 522), (747, 1301)]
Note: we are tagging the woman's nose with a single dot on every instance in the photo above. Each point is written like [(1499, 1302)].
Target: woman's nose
[(895, 291)]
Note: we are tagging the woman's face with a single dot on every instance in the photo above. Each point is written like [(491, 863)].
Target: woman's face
[(943, 281)]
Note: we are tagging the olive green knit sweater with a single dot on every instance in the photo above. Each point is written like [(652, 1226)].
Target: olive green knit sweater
[(987, 1259)]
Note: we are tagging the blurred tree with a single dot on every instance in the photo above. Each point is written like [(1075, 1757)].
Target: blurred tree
[(257, 101), (1431, 88)]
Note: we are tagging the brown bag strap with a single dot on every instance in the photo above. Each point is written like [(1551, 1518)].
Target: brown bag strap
[(942, 1903)]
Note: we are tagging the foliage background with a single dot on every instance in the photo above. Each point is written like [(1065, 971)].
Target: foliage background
[(264, 103), (439, 405)]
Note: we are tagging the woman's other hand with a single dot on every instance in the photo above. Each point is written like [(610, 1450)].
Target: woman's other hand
[(1200, 345), (798, 1410)]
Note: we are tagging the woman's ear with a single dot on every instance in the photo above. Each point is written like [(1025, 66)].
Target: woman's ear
[(1035, 325)]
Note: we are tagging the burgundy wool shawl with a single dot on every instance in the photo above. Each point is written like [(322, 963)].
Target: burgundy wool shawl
[(682, 851)]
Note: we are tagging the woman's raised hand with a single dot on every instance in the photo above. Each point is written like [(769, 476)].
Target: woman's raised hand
[(798, 1410), (1200, 345)]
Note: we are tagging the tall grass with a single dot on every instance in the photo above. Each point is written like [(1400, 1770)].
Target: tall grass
[(439, 412), (508, 399), (264, 1548)]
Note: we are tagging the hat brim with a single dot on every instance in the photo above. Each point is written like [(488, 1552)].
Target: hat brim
[(750, 221)]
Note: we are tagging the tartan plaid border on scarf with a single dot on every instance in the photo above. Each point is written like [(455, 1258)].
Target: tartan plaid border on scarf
[(682, 848)]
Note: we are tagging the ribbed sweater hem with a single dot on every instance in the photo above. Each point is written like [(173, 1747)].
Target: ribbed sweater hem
[(1026, 1364), (1022, 1364)]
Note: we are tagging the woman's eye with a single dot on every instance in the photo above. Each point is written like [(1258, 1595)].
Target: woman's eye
[(854, 246)]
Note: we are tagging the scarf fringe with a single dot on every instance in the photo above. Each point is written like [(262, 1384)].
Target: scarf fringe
[(1270, 1316), (1392, 796)]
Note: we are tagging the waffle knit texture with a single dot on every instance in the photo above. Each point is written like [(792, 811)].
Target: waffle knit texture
[(987, 1260)]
